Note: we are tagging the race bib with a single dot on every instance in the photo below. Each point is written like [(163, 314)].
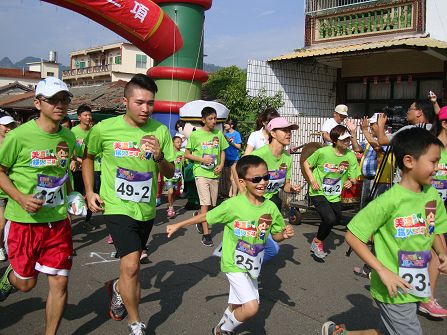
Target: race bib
[(249, 257), (332, 186), (177, 175), (209, 166), (277, 181), (441, 187), (53, 186), (132, 185), (413, 267)]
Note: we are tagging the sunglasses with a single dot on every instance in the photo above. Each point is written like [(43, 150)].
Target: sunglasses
[(257, 180), (55, 100)]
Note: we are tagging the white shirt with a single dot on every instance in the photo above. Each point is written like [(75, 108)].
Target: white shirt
[(328, 125), (257, 139)]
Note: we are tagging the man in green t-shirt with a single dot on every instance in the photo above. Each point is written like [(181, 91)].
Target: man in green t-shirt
[(134, 148), (34, 165), (81, 132), (249, 219), (206, 149), (406, 222)]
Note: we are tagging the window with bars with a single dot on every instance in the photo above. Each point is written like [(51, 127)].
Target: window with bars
[(117, 59), (141, 61)]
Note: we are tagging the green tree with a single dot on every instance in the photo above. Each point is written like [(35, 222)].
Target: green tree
[(228, 86)]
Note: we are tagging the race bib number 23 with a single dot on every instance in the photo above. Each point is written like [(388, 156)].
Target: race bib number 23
[(413, 267)]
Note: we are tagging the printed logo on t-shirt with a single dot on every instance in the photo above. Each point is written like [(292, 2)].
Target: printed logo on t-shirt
[(80, 141), (336, 168), (244, 228), (48, 157), (132, 149), (442, 170), (214, 144), (264, 223), (415, 224)]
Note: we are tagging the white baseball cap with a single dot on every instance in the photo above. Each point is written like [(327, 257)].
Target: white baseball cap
[(341, 109), (5, 120), (344, 136), (374, 118), (50, 86)]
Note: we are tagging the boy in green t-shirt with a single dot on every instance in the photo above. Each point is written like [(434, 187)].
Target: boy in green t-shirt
[(173, 183), (249, 218), (34, 164), (206, 149), (407, 222)]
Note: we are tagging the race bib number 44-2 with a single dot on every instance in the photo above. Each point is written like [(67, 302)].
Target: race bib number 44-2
[(249, 257), (332, 186), (53, 186), (413, 267), (132, 185)]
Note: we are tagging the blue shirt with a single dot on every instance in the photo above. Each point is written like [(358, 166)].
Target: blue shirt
[(370, 161), (232, 153)]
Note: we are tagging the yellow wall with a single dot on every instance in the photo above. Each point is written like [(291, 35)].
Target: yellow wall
[(388, 63)]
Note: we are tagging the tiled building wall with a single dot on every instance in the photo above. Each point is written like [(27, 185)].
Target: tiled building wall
[(309, 96)]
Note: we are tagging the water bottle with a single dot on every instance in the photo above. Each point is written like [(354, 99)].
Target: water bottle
[(41, 196)]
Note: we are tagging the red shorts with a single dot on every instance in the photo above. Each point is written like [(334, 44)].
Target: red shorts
[(40, 247)]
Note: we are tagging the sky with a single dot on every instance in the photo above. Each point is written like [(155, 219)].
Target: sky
[(235, 30)]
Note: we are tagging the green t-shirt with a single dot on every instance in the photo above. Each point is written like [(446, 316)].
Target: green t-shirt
[(440, 178), (178, 163), (81, 135), (206, 143), (243, 232), (280, 169), (331, 171), (35, 165), (400, 220), (128, 172)]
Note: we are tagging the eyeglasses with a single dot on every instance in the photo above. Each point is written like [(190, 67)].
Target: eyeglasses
[(55, 100), (257, 180)]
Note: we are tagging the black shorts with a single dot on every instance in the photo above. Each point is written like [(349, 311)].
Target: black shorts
[(129, 235)]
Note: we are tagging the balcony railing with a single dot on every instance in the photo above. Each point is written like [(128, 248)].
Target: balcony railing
[(398, 17), (87, 70), (314, 7)]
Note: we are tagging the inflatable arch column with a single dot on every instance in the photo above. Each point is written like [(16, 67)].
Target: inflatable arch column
[(179, 77)]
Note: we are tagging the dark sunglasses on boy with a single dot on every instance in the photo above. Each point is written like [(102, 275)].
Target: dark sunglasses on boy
[(257, 180)]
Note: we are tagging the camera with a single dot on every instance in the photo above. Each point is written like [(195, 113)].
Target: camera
[(396, 117)]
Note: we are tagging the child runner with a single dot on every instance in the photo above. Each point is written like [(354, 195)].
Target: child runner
[(206, 148), (249, 219), (407, 222), (34, 160), (329, 170), (7, 123), (173, 183)]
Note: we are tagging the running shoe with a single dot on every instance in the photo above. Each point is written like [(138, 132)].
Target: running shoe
[(171, 212), (157, 202), (199, 226), (3, 255), (317, 249), (5, 286), (117, 310), (432, 308), (137, 328), (144, 258), (207, 240), (109, 239), (330, 328), (88, 226), (217, 331)]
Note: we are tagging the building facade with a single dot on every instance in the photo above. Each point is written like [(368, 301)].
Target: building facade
[(104, 64)]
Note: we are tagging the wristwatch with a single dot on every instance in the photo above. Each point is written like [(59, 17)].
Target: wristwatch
[(160, 159)]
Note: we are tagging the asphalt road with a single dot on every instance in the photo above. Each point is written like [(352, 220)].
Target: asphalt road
[(183, 291)]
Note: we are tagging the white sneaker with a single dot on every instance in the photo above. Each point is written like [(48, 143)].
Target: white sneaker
[(137, 328), (3, 256)]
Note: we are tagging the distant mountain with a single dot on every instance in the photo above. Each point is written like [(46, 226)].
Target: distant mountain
[(6, 63), (211, 67)]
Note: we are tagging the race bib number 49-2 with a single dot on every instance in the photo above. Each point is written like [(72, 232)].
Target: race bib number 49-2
[(132, 185), (413, 267)]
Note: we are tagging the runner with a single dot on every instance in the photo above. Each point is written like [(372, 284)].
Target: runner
[(134, 148), (34, 174)]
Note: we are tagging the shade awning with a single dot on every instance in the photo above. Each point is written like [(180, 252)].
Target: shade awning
[(388, 44)]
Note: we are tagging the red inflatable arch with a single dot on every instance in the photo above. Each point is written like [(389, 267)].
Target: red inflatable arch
[(141, 22)]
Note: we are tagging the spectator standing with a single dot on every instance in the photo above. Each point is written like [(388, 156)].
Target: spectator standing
[(234, 140), (260, 137), (338, 117)]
